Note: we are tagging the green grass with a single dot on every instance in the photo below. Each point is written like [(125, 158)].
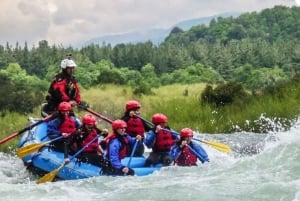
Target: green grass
[(181, 110), (10, 124)]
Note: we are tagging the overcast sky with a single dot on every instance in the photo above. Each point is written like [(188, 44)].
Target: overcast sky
[(72, 21)]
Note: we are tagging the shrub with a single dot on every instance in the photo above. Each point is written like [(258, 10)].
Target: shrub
[(143, 88), (224, 94)]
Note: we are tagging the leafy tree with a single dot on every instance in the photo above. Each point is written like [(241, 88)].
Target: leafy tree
[(6, 89), (166, 79), (265, 76), (3, 58), (258, 78), (255, 49), (133, 77), (22, 92), (149, 75), (142, 88), (111, 75), (87, 73)]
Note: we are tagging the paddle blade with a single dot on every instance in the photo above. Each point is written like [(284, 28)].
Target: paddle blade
[(26, 150), (219, 146), (50, 176)]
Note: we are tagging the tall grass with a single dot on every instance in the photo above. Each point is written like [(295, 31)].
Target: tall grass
[(10, 124), (185, 110), (260, 114)]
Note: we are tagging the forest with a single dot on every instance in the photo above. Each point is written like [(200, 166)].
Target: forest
[(256, 50)]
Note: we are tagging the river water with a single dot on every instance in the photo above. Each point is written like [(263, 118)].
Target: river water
[(262, 167)]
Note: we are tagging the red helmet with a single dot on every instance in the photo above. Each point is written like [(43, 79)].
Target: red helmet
[(159, 118), (186, 132), (117, 124), (64, 106), (89, 119), (132, 104)]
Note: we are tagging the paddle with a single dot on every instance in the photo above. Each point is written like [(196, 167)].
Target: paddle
[(109, 121), (217, 145), (51, 175), (25, 129), (132, 152), (194, 152), (24, 151), (95, 113)]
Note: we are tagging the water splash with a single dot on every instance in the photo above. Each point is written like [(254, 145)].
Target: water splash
[(262, 167)]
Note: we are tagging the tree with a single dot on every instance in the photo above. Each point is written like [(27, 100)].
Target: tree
[(150, 76), (22, 92)]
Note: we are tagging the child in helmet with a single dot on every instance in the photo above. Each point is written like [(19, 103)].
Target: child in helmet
[(63, 87), (85, 134), (135, 126), (160, 139), (64, 125), (119, 144), (185, 152)]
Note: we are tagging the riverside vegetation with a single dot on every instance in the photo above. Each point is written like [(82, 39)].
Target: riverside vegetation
[(250, 62), (225, 108)]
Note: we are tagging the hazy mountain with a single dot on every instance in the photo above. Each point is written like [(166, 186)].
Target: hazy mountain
[(155, 35), (187, 24)]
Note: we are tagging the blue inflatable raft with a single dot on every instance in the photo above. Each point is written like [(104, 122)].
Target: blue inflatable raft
[(46, 159)]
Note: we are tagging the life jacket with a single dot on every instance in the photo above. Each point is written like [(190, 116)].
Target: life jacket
[(88, 137), (135, 127), (164, 141), (63, 88), (68, 125), (186, 158), (124, 150)]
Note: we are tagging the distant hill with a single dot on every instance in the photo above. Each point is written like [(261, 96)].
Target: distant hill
[(187, 24), (155, 35)]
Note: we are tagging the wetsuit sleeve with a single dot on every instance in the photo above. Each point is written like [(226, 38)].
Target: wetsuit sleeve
[(131, 140), (77, 97), (200, 152), (175, 135), (61, 87), (113, 151), (53, 128), (175, 151), (150, 139)]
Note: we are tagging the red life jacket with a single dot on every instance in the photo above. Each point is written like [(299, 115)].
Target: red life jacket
[(68, 125), (164, 141), (135, 127), (63, 89), (186, 158), (124, 145), (94, 147)]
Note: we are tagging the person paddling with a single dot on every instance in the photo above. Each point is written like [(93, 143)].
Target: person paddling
[(64, 125), (185, 152), (86, 133), (135, 126), (160, 139), (119, 144)]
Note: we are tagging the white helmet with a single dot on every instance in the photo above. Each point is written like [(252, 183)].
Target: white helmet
[(67, 63)]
